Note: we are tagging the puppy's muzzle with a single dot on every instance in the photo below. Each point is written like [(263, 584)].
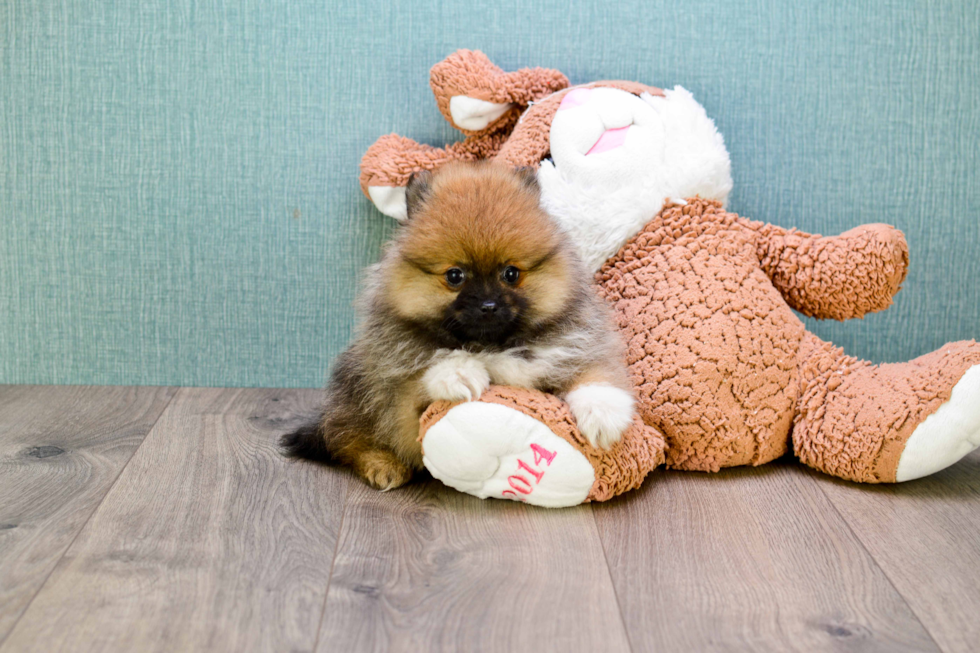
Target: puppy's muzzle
[(478, 318)]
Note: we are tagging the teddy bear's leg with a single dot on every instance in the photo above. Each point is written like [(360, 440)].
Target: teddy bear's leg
[(887, 423), (490, 450), (523, 445)]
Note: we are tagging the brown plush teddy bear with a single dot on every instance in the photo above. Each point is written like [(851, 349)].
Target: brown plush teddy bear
[(725, 374)]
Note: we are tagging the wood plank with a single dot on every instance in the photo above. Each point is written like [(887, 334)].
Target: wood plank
[(61, 449), (425, 568), (925, 535), (748, 559), (209, 540)]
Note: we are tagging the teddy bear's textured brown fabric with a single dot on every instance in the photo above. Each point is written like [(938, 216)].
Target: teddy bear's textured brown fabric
[(722, 367), (472, 74), (726, 371), (815, 274), (618, 470), (392, 159)]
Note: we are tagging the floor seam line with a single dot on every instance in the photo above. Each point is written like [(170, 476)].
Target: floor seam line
[(88, 519), (333, 564), (878, 565), (612, 583)]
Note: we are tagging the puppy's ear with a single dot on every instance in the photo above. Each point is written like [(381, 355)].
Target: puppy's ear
[(529, 178), (419, 187)]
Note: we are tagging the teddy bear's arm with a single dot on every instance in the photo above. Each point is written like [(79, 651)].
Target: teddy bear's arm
[(833, 277)]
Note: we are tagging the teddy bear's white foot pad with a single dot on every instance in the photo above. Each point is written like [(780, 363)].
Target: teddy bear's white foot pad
[(489, 450), (947, 435)]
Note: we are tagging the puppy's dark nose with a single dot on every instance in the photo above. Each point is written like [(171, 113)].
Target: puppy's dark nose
[(488, 307)]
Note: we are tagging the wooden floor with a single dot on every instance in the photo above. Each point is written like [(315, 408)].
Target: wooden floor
[(137, 519)]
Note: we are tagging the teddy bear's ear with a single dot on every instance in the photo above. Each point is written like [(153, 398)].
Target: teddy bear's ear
[(419, 186), (475, 95), (472, 114), (387, 166), (390, 200)]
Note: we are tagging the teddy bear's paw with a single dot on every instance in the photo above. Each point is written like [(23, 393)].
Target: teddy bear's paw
[(491, 450), (458, 377), (947, 435), (602, 412)]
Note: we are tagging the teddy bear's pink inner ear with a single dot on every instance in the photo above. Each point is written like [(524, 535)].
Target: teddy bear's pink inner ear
[(473, 114)]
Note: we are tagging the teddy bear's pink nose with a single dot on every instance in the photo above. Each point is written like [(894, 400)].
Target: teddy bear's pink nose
[(610, 140), (575, 98)]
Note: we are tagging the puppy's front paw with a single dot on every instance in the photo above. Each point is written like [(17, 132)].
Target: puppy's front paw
[(603, 412), (459, 377), (382, 470)]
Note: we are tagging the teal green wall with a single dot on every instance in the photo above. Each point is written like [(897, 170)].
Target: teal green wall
[(178, 179)]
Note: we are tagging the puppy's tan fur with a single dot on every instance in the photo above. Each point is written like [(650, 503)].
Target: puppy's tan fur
[(424, 339)]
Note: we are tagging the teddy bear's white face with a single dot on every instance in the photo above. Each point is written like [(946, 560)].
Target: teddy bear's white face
[(616, 158)]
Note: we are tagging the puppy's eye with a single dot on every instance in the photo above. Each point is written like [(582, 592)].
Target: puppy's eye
[(454, 277), (511, 274)]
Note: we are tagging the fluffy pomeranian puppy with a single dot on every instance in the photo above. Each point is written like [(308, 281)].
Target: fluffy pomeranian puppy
[(479, 286)]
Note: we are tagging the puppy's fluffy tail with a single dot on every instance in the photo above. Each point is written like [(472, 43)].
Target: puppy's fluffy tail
[(307, 442)]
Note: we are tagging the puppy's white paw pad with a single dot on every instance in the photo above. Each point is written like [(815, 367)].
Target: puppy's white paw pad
[(602, 412), (458, 378)]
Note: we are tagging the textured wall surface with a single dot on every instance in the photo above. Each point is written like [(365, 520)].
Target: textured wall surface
[(178, 196)]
